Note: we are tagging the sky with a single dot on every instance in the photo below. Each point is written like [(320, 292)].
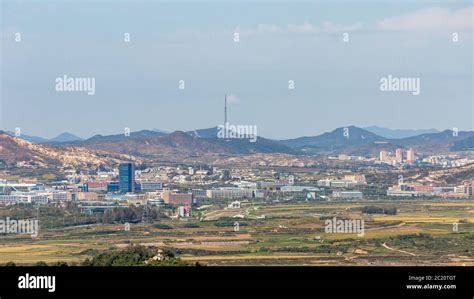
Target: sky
[(336, 82)]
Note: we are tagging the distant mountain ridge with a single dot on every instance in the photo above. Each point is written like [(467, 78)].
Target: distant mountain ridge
[(343, 136), (205, 133), (179, 145), (350, 140), (123, 136), (438, 142), (464, 144), (359, 141), (63, 137), (398, 133), (34, 139)]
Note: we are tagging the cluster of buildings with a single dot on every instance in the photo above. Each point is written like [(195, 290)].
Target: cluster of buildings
[(202, 175), (120, 184), (446, 161), (126, 185), (416, 190), (348, 181), (399, 158), (30, 192)]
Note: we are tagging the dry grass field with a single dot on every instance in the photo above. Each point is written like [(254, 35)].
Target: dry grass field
[(290, 234)]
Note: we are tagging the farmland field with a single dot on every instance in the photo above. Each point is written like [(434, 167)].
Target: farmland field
[(422, 232)]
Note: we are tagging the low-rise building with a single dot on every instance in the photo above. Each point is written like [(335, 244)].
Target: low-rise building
[(99, 186), (199, 193), (23, 197), (173, 198), (230, 192), (347, 194), (87, 196), (150, 185)]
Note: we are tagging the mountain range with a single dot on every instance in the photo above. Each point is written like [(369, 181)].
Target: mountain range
[(63, 137), (212, 132), (398, 133), (203, 144)]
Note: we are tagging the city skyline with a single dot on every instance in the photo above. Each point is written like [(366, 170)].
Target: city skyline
[(259, 135)]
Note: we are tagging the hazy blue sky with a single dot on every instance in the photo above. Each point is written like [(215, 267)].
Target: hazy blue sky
[(337, 83)]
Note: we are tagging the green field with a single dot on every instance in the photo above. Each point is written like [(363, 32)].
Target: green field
[(421, 233)]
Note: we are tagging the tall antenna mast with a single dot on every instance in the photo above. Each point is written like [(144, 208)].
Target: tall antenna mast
[(225, 110)]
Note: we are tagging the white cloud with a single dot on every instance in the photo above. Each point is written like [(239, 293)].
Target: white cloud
[(271, 28), (330, 27), (431, 18), (233, 99), (304, 28)]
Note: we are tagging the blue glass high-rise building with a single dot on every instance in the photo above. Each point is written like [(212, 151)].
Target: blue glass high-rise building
[(127, 177)]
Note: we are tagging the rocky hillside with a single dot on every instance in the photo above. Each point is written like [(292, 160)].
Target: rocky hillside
[(16, 151)]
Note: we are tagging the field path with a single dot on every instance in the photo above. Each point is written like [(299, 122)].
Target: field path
[(398, 250), (386, 227)]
